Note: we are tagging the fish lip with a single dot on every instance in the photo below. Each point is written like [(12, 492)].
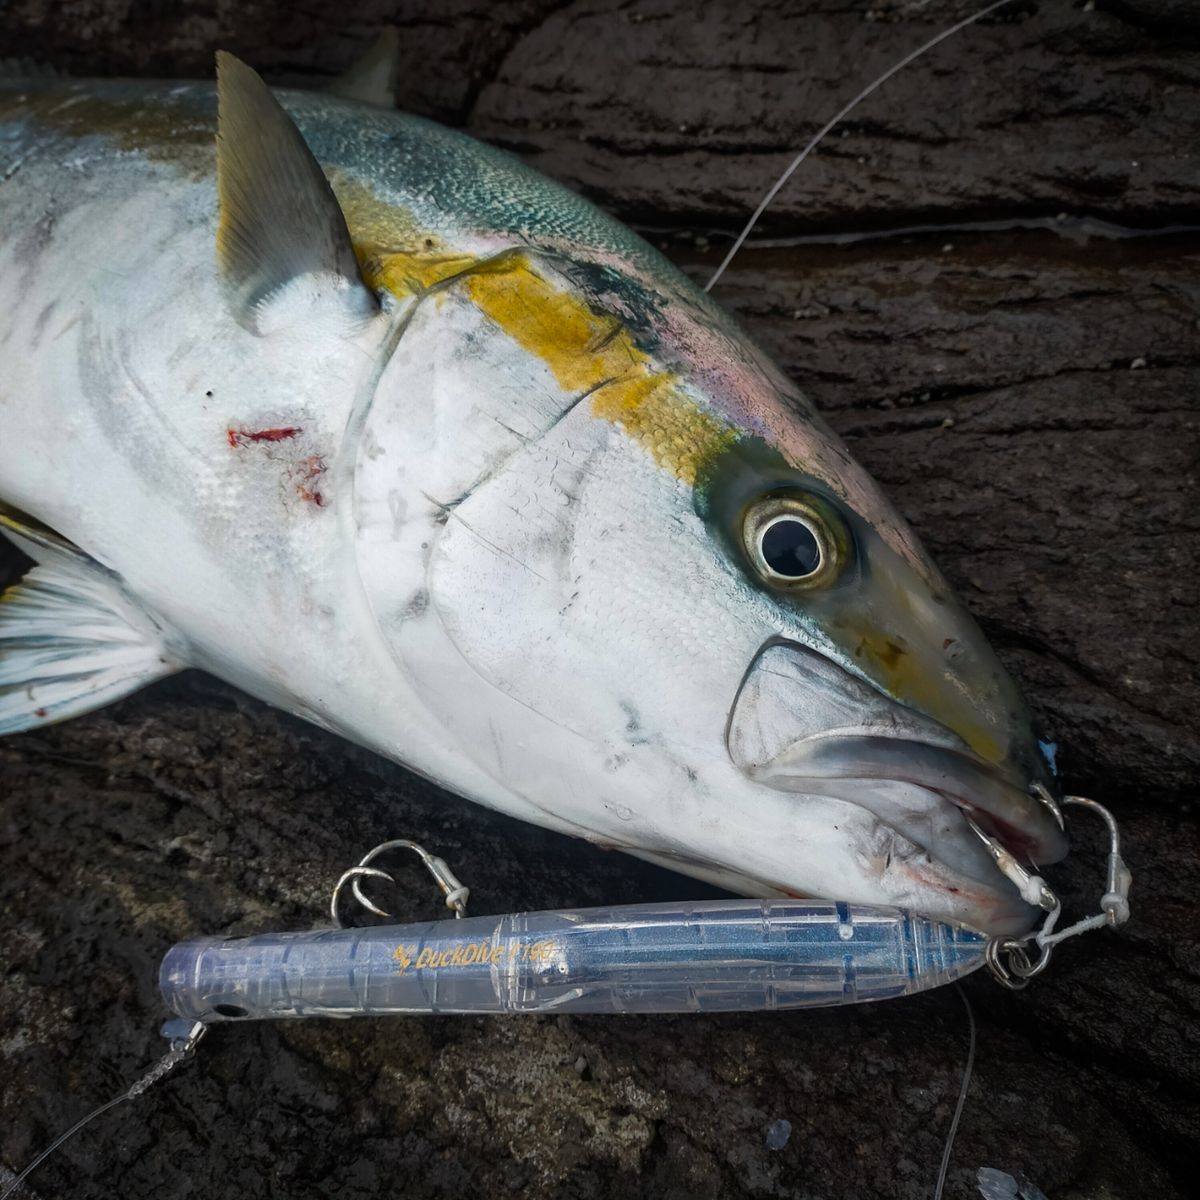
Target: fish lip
[(987, 902), (776, 738), (985, 793), (977, 894)]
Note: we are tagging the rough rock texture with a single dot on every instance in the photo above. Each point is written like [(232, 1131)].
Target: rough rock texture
[(1029, 398)]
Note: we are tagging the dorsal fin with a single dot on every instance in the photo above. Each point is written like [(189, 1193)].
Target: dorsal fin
[(279, 218), (372, 79)]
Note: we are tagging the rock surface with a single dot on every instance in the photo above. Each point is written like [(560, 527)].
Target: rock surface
[(1025, 389)]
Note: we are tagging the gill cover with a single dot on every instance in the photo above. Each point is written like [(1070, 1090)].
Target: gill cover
[(547, 634)]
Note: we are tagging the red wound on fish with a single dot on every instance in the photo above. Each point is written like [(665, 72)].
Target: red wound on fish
[(243, 437), (309, 472)]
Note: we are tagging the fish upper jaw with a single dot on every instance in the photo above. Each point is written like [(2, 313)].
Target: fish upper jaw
[(803, 725)]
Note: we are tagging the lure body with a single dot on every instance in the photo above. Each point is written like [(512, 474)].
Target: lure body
[(715, 956), (449, 462)]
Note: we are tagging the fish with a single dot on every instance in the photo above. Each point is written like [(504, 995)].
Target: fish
[(376, 423)]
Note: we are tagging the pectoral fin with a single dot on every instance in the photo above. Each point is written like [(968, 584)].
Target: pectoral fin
[(372, 80), (72, 638), (279, 218)]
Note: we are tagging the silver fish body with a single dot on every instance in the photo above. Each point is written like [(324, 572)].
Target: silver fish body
[(480, 481)]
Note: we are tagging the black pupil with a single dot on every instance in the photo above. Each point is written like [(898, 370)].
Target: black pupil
[(791, 549)]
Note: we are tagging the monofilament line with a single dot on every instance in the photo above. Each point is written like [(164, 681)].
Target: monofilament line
[(777, 187), (183, 1045), (58, 1141), (962, 1094)]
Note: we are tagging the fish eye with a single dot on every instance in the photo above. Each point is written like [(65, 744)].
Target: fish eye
[(791, 542), (790, 547)]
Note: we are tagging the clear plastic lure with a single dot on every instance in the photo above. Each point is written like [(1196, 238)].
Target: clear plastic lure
[(710, 956)]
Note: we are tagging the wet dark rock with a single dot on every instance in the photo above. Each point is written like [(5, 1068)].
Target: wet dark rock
[(1029, 400)]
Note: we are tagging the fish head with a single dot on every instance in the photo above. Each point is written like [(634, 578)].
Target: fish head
[(667, 611), (875, 687)]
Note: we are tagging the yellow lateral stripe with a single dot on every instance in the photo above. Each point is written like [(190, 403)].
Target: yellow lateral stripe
[(164, 132), (585, 350), (589, 351), (407, 274), (581, 348), (375, 221), (677, 433)]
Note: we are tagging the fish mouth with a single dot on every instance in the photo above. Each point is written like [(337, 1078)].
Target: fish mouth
[(802, 724), (1013, 815)]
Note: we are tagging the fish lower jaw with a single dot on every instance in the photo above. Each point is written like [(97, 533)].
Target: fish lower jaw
[(920, 850), (844, 766)]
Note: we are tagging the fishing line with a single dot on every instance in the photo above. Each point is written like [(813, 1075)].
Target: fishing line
[(58, 1141), (777, 187), (962, 1093), (184, 1037)]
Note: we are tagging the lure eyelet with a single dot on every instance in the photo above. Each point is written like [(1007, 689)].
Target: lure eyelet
[(792, 542)]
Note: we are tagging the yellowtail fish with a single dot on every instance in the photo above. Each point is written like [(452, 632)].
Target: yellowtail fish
[(378, 424)]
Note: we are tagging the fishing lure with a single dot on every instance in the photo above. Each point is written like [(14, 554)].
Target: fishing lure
[(679, 956), (709, 956)]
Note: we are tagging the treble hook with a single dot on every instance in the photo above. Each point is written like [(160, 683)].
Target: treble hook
[(449, 884), (1115, 901), (1009, 958)]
